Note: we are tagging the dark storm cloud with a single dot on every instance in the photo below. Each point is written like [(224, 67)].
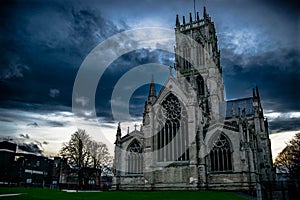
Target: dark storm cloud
[(276, 73), (42, 46), (279, 125), (260, 45), (32, 118), (30, 148), (25, 144), (43, 43), (118, 68)]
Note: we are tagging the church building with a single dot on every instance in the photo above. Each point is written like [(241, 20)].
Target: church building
[(191, 137)]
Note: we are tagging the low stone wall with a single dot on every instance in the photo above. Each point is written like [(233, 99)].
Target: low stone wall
[(129, 183), (172, 175), (228, 181), (180, 178)]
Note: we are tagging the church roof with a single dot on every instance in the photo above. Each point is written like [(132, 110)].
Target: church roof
[(130, 135), (239, 104)]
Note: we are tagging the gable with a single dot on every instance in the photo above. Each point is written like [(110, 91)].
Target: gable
[(132, 135), (172, 86)]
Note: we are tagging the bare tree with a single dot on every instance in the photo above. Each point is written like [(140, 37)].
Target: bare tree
[(76, 150), (82, 152), (99, 154), (288, 160), (283, 161)]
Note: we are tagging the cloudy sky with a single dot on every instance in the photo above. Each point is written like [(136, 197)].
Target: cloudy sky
[(44, 44)]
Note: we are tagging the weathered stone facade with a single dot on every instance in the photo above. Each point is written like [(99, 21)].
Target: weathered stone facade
[(192, 138)]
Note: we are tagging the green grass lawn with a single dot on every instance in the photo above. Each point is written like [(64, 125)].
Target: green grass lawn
[(39, 193)]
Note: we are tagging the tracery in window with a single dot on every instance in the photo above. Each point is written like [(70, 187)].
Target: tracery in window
[(135, 158), (172, 138), (220, 155), (171, 108)]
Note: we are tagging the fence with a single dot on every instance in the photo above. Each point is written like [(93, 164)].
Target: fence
[(281, 190)]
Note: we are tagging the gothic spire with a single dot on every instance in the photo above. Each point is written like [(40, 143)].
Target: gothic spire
[(177, 21), (152, 92), (119, 134), (257, 93), (205, 15), (253, 91), (204, 12), (258, 99), (195, 8)]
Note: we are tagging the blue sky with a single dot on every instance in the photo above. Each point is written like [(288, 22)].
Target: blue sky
[(43, 44)]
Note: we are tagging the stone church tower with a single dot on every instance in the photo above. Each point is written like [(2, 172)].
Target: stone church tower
[(191, 137)]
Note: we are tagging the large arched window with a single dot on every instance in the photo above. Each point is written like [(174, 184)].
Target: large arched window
[(135, 158), (220, 155), (172, 138)]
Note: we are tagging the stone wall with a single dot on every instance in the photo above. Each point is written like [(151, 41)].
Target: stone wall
[(229, 181), (129, 183)]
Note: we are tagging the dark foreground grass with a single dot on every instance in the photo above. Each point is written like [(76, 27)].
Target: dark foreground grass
[(44, 194)]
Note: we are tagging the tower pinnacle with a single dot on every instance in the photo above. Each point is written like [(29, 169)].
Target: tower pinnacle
[(119, 134), (152, 91), (177, 21), (195, 8)]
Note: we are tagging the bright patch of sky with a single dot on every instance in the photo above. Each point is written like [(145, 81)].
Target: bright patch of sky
[(280, 140), (277, 115), (245, 41)]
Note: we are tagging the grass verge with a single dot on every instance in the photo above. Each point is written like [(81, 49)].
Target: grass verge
[(44, 194)]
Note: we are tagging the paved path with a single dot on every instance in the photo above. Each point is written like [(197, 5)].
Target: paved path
[(9, 195), (81, 190)]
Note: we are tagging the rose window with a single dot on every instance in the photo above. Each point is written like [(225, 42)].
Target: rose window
[(171, 108)]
